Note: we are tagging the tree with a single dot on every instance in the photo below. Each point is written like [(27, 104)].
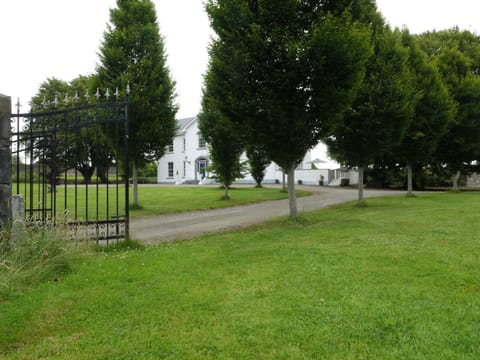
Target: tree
[(433, 111), (94, 152), (456, 54), (132, 53), (291, 69), (382, 110), (224, 142), (258, 162), (86, 149), (51, 149)]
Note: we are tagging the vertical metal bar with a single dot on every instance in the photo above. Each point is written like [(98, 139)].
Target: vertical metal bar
[(65, 182), (42, 178), (75, 190), (32, 173), (84, 111), (106, 134), (117, 156), (25, 143), (97, 145), (18, 152), (127, 171), (75, 161), (54, 168)]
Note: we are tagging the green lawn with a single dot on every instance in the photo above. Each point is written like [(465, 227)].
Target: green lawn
[(154, 200), (399, 279), (160, 200)]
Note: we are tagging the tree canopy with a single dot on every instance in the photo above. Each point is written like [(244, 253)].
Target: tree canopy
[(434, 110), (133, 53), (456, 54), (291, 69), (381, 112), (84, 150), (224, 142)]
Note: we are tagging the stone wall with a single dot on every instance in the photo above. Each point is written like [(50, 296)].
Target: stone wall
[(5, 160)]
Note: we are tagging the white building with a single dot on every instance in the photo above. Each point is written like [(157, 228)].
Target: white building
[(186, 162)]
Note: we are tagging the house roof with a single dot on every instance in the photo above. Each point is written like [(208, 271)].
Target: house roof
[(182, 124)]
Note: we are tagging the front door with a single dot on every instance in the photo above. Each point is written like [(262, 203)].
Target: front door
[(202, 169)]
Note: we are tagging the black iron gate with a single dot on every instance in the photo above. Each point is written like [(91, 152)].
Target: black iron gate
[(70, 163)]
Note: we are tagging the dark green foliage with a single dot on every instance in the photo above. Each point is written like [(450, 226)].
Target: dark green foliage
[(224, 143), (148, 170), (289, 68), (457, 57), (434, 108), (132, 53), (435, 42), (382, 110), (96, 151), (52, 150), (258, 162), (224, 137), (84, 150)]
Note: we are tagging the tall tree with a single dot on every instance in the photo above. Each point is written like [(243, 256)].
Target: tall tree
[(258, 162), (457, 57), (433, 111), (223, 139), (380, 114), (133, 53), (292, 67)]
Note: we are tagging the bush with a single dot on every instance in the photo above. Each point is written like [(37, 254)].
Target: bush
[(149, 170), (32, 254)]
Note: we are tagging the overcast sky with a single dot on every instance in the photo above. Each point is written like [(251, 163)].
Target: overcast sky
[(61, 38)]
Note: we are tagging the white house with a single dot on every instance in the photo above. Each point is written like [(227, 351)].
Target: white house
[(186, 162)]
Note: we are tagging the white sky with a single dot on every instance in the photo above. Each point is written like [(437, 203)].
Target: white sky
[(61, 38)]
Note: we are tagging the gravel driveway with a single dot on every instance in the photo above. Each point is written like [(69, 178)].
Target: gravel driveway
[(153, 229)]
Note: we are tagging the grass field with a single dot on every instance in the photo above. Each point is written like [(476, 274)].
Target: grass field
[(81, 202), (399, 279)]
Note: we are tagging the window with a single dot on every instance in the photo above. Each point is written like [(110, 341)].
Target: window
[(201, 141), (184, 145), (170, 169), (170, 147), (184, 168)]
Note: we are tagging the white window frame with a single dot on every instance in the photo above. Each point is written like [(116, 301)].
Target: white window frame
[(201, 141)]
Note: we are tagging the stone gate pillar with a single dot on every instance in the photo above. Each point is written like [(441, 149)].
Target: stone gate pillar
[(5, 160)]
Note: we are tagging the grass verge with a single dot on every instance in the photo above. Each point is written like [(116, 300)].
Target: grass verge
[(32, 254), (397, 279)]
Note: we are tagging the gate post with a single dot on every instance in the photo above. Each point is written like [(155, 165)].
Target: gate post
[(5, 160)]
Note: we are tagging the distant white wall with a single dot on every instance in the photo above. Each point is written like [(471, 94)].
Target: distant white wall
[(312, 176), (187, 158)]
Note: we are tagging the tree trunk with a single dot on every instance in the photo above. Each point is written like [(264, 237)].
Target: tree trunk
[(409, 179), (456, 177), (225, 195), (135, 184), (360, 182), (292, 198), (284, 187)]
